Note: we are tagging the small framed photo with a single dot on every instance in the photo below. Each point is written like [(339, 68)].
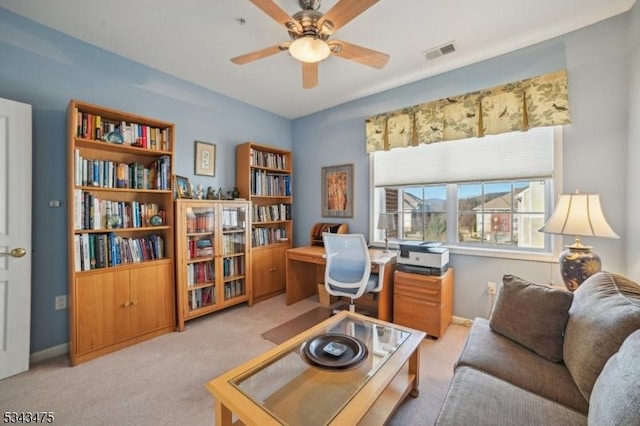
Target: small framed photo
[(183, 187), (337, 191), (205, 159)]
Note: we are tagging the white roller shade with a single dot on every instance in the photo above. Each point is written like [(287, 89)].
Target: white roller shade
[(506, 156)]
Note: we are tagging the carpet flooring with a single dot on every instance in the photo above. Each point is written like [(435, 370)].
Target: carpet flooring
[(161, 381)]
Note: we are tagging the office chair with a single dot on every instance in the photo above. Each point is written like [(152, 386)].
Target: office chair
[(348, 269)]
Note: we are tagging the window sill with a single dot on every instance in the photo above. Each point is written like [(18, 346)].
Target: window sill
[(491, 252), (504, 254)]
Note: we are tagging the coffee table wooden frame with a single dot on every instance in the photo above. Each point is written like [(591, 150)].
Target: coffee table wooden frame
[(374, 403)]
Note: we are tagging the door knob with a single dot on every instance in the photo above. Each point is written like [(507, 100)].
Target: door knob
[(16, 252)]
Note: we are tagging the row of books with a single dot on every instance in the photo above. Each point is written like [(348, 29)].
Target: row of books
[(271, 213), (267, 159), (109, 174), (265, 236), (233, 217), (233, 243), (233, 266), (94, 251), (200, 220), (270, 184), (199, 247), (91, 212), (200, 297), (200, 273), (233, 289), (94, 126)]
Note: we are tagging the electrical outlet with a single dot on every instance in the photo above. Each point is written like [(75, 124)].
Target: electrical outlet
[(61, 302), (491, 288)]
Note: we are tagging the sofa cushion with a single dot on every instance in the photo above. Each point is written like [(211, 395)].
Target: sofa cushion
[(533, 315), (477, 398), (503, 358), (605, 310), (614, 398)]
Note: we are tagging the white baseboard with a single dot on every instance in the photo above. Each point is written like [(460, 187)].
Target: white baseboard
[(49, 353), (461, 321)]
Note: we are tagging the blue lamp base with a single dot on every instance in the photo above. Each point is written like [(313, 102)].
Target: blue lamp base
[(578, 263)]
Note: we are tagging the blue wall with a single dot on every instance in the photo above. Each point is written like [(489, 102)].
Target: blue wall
[(46, 69), (594, 145)]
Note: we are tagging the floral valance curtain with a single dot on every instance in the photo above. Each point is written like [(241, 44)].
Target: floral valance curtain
[(535, 102)]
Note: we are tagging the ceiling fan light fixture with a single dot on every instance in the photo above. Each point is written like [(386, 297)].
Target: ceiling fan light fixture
[(309, 49)]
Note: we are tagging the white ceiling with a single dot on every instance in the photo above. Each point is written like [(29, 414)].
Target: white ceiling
[(194, 40)]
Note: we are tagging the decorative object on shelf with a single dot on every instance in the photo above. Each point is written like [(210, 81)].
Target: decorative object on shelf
[(156, 220), (386, 221), (183, 187), (578, 215), (211, 194), (337, 191), (114, 221), (114, 137), (199, 192), (235, 193), (205, 159), (220, 195)]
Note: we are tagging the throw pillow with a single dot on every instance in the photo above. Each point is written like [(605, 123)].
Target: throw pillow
[(605, 310), (532, 315), (614, 399)]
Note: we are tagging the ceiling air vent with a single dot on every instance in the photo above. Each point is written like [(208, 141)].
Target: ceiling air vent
[(436, 52)]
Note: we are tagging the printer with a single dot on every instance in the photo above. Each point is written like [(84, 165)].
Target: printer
[(422, 257)]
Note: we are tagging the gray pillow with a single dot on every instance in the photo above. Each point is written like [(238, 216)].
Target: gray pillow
[(614, 399), (532, 315), (605, 310)]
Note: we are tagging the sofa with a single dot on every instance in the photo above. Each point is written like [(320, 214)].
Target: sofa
[(550, 357)]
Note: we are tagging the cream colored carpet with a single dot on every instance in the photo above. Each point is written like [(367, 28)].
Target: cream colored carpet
[(161, 381)]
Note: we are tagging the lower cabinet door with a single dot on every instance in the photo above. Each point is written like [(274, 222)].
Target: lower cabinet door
[(152, 298), (101, 310)]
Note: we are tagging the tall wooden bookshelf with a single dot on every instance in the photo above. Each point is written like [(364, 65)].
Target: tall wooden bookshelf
[(213, 256), (121, 229), (264, 176)]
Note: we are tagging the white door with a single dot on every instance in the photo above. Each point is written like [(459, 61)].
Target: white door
[(15, 236)]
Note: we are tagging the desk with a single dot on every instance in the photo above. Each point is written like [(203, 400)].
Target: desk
[(305, 270)]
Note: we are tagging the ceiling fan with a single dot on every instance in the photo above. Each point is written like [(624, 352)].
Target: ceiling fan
[(310, 31)]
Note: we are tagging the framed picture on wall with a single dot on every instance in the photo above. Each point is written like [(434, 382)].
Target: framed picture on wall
[(205, 159), (183, 187), (337, 191)]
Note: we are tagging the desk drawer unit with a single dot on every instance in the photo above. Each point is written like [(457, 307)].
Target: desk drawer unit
[(423, 302)]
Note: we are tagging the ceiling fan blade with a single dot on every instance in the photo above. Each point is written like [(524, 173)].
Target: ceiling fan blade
[(362, 55), (309, 75), (258, 54), (277, 14), (342, 13)]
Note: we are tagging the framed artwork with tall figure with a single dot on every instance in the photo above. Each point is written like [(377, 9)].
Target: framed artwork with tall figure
[(337, 191)]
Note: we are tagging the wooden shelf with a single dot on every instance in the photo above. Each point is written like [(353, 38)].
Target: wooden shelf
[(119, 304), (268, 259)]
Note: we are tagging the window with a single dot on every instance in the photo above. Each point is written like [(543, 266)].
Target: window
[(490, 193)]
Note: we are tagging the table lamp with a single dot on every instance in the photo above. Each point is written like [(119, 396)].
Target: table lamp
[(578, 215), (386, 221)]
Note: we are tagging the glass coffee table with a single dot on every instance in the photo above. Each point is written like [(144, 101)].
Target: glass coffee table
[(307, 381)]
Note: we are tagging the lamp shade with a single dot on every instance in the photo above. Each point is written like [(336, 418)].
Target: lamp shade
[(579, 215), (386, 221), (309, 49)]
